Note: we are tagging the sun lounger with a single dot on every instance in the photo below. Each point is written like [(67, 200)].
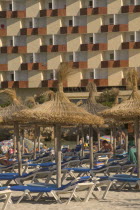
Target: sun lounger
[(7, 194)]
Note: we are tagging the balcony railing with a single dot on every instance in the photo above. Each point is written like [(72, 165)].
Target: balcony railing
[(53, 48), (33, 31), (130, 8), (13, 14), (3, 67), (73, 29), (33, 66), (52, 12), (114, 28), (16, 49), (114, 63), (78, 65), (3, 32), (14, 84), (93, 47), (98, 82), (52, 83), (93, 11), (131, 45)]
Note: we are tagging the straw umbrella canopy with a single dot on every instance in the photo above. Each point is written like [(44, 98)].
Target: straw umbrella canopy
[(57, 112), (7, 119), (129, 110)]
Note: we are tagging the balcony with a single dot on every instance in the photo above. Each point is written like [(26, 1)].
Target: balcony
[(14, 84), (130, 8), (52, 12), (114, 28), (3, 67), (78, 65), (114, 63), (53, 48), (3, 32), (131, 45), (33, 31), (93, 47), (16, 49), (98, 82), (52, 83), (73, 30), (12, 14), (93, 11), (33, 66)]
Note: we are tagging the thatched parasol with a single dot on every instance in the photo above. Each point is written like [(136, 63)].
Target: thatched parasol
[(92, 106), (129, 110), (58, 112)]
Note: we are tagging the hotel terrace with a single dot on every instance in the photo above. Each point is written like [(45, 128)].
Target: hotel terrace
[(100, 38)]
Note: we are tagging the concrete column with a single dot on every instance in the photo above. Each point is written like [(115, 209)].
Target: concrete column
[(14, 41), (136, 34), (94, 39), (115, 19), (94, 3), (13, 5)]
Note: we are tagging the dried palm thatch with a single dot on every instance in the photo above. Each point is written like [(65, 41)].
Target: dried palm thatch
[(59, 110), (91, 104), (30, 102), (16, 106), (130, 109)]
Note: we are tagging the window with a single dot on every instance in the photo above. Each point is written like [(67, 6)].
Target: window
[(132, 2), (11, 42), (111, 56), (91, 75), (71, 58), (91, 40), (31, 59), (12, 77), (10, 7), (90, 4), (51, 41), (30, 24), (50, 5), (51, 75), (111, 21), (132, 38), (70, 22)]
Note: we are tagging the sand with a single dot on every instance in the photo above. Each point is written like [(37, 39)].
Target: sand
[(114, 201)]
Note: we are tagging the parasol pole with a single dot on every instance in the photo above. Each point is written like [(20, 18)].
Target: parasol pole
[(98, 137), (135, 136), (114, 141), (78, 136), (16, 126), (111, 135), (83, 141), (126, 141), (58, 153), (91, 146), (35, 140), (22, 136), (138, 146), (14, 141), (38, 136)]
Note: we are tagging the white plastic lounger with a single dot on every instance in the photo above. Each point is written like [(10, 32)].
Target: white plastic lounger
[(7, 194)]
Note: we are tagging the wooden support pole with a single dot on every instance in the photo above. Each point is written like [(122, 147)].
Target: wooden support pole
[(91, 145), (16, 126), (135, 136), (38, 138), (22, 138), (138, 146), (83, 141), (35, 141), (78, 136), (58, 154), (14, 141), (126, 141), (98, 137), (111, 136), (114, 141)]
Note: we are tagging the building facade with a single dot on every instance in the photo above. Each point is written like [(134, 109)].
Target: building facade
[(100, 38)]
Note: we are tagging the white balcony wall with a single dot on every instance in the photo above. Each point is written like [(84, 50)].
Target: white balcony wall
[(42, 22), (21, 75), (43, 58), (123, 54), (80, 21), (101, 73), (80, 56), (101, 38), (123, 19), (59, 4)]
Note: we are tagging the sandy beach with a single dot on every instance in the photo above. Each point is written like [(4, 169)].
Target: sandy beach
[(115, 200)]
